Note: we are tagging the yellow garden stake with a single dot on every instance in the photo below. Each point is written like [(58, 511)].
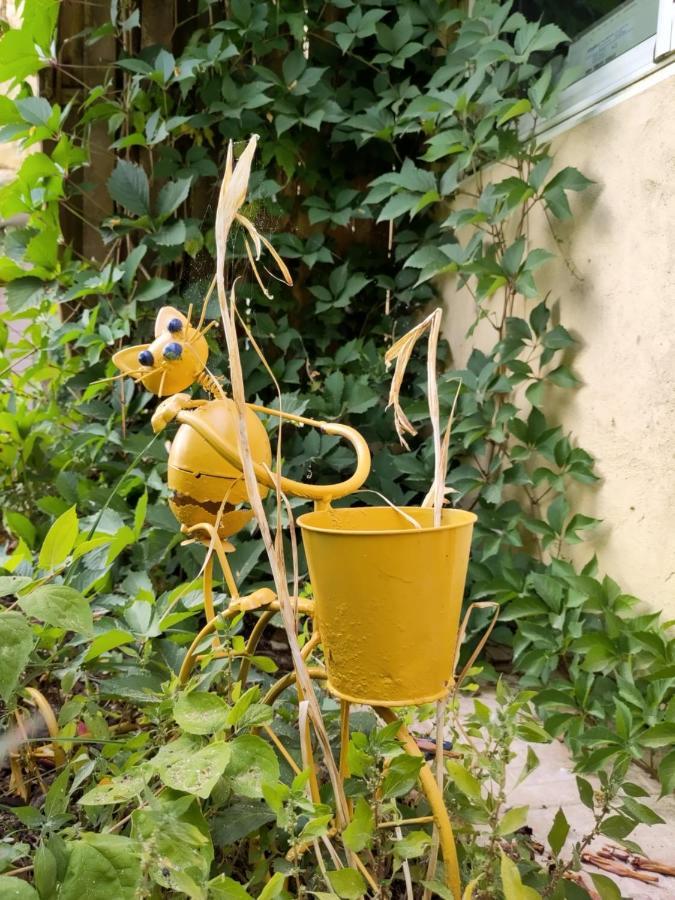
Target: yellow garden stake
[(387, 582)]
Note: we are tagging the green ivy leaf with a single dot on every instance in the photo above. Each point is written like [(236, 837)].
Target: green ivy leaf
[(128, 186), (412, 845), (120, 789), (17, 888), (16, 645), (347, 883), (224, 888), (60, 606), (198, 772), (152, 289), (357, 835), (102, 867), (171, 196), (253, 763), (519, 108), (467, 783), (274, 887), (109, 640), (59, 541), (200, 712), (401, 776)]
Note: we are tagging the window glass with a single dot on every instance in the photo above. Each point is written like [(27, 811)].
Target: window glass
[(601, 30), (573, 16)]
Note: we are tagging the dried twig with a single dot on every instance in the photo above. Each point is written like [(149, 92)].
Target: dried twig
[(611, 851), (617, 868)]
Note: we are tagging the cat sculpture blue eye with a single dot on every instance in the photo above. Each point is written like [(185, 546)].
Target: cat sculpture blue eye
[(173, 351)]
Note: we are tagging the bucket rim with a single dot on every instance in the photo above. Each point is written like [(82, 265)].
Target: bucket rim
[(466, 518)]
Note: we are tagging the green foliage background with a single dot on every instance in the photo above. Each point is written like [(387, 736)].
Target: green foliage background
[(373, 118)]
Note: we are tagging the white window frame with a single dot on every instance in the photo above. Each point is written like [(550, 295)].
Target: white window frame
[(630, 73)]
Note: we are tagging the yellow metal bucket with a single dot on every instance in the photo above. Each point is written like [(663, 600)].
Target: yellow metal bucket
[(388, 598)]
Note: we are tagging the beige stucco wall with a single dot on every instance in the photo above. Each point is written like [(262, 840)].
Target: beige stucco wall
[(615, 292)]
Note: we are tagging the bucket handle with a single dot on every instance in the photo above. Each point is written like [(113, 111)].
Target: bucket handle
[(398, 509), (318, 492)]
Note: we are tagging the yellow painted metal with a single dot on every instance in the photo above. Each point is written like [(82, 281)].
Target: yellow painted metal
[(320, 492), (388, 598), (206, 487), (167, 376)]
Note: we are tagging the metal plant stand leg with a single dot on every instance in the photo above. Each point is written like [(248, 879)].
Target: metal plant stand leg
[(435, 797), (427, 778)]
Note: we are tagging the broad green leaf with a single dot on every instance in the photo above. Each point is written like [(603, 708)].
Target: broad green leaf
[(172, 195), (242, 704), (119, 789), (467, 783), (200, 713), (316, 827), (513, 820), (585, 792), (667, 773), (122, 538), (16, 644), (347, 883), (252, 764), (128, 186), (140, 513), (178, 849), (605, 887), (617, 827), (558, 833), (17, 888), (45, 871), (197, 773), (642, 813), (106, 642), (102, 867), (224, 888), (512, 884), (60, 606), (412, 844), (442, 890), (10, 585), (59, 541), (519, 108), (238, 820), (274, 887), (357, 835), (401, 776), (662, 735), (152, 289)]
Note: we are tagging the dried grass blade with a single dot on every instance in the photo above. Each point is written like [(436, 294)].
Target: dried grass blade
[(401, 352), (224, 217)]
